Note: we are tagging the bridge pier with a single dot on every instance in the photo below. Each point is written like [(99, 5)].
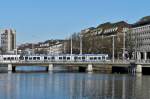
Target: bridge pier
[(11, 68), (139, 69), (50, 67), (90, 68)]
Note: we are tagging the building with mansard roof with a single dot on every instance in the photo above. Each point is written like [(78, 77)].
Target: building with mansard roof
[(102, 36), (139, 37)]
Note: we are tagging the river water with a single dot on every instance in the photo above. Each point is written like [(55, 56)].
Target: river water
[(67, 85)]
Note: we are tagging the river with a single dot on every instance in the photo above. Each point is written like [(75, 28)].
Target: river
[(67, 85)]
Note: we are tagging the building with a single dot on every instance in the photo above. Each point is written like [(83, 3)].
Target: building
[(139, 39), (8, 40), (46, 47), (56, 48), (101, 38)]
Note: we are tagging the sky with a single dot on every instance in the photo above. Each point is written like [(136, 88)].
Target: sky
[(40, 20)]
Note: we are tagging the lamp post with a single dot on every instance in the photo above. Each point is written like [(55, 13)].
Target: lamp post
[(113, 47), (81, 43), (32, 48), (124, 47), (71, 46), (124, 43)]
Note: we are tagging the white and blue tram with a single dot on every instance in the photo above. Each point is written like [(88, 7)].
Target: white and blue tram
[(60, 57)]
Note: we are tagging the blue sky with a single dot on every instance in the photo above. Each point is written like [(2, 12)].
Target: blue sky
[(39, 20)]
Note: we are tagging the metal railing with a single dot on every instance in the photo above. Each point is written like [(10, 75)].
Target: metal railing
[(50, 61), (76, 61)]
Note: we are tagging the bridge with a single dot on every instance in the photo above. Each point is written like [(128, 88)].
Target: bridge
[(89, 66), (88, 62)]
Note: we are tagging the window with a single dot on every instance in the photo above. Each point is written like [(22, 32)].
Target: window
[(26, 58), (38, 58), (95, 58), (45, 58), (21, 58), (53, 57), (83, 58), (68, 58), (12, 58), (34, 58), (91, 58), (30, 58), (99, 58), (8, 58), (103, 57), (64, 58), (79, 58), (49, 58), (75, 58)]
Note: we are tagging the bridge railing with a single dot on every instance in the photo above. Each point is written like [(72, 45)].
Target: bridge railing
[(51, 61), (73, 61)]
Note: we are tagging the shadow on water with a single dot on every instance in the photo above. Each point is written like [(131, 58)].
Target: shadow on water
[(120, 70), (145, 71)]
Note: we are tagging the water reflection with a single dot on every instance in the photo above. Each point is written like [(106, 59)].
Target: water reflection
[(73, 86)]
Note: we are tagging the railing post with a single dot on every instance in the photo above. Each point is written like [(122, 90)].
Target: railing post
[(89, 68)]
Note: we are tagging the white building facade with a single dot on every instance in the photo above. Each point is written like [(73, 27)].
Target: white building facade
[(8, 40), (56, 49), (140, 37)]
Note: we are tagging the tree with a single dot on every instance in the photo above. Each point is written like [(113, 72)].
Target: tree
[(131, 43)]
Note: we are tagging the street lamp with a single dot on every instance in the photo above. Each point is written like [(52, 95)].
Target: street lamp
[(81, 43), (71, 46), (124, 42), (32, 48), (113, 47)]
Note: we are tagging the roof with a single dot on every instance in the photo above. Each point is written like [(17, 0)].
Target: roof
[(108, 24), (143, 21)]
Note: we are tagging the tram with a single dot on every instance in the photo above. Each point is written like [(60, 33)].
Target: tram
[(60, 57)]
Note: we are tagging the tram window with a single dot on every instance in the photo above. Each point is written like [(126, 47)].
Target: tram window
[(45, 57), (49, 58), (30, 58), (60, 58), (12, 58), (103, 57), (99, 58), (53, 57), (75, 58), (68, 58), (26, 58), (4, 58), (21, 58), (64, 57), (83, 58), (91, 58), (8, 58), (95, 58), (34, 58), (38, 58), (79, 58)]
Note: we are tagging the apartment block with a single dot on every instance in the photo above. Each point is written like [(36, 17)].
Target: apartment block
[(8, 40)]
